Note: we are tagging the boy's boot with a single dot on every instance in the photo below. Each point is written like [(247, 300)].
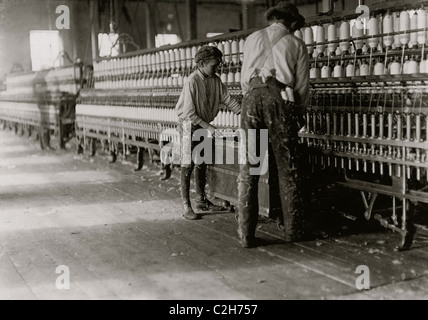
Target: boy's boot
[(202, 203), (185, 175)]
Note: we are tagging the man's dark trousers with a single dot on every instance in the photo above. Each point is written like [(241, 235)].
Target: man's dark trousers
[(264, 108)]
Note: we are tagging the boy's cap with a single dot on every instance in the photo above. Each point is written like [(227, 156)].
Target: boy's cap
[(208, 52), (285, 10)]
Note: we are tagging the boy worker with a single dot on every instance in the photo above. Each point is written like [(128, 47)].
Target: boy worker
[(198, 105)]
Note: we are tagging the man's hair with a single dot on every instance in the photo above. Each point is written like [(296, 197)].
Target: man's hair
[(279, 18), (286, 13), (300, 23)]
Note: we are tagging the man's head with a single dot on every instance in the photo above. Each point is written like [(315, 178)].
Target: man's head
[(208, 59), (300, 23), (287, 14)]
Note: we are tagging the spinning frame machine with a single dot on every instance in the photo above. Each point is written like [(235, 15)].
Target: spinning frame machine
[(366, 126), (41, 103)]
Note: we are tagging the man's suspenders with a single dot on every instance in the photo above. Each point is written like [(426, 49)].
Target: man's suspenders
[(269, 44), (288, 93)]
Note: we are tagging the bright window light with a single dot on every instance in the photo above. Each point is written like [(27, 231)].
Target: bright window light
[(45, 46), (213, 34), (106, 42), (166, 39)]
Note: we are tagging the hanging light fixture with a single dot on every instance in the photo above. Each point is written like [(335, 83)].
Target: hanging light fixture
[(112, 23), (328, 7)]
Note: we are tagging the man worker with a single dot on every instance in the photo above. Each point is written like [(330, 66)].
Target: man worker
[(275, 85)]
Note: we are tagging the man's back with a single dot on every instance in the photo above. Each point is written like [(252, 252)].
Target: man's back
[(289, 62)]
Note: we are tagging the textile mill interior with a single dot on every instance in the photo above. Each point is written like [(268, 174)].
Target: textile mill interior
[(91, 151)]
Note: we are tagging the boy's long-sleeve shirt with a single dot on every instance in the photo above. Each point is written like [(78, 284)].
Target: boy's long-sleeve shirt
[(201, 97)]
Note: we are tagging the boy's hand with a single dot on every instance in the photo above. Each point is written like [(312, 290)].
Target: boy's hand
[(211, 129)]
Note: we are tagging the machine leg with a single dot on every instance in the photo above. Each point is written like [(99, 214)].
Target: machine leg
[(166, 168), (29, 131), (21, 129), (41, 137), (165, 164), (60, 133), (45, 139), (407, 238), (140, 159), (151, 155), (92, 146), (371, 198), (104, 145), (408, 229), (112, 156), (79, 146), (124, 151)]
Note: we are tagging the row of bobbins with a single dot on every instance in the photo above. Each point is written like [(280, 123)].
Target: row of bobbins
[(335, 39)]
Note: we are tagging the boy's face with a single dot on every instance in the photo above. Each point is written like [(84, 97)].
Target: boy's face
[(210, 66)]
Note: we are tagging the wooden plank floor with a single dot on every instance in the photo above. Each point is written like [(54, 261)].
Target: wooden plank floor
[(122, 236)]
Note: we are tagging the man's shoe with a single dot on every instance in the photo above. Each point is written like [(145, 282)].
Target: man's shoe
[(190, 216), (289, 238), (248, 242), (188, 213), (207, 205), (294, 237)]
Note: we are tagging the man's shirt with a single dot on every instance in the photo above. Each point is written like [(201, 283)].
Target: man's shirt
[(201, 97), (290, 63)]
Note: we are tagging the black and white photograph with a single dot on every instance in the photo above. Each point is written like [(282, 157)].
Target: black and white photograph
[(214, 158)]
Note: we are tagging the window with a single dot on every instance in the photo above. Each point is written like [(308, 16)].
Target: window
[(106, 44), (213, 34), (45, 46), (166, 39)]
